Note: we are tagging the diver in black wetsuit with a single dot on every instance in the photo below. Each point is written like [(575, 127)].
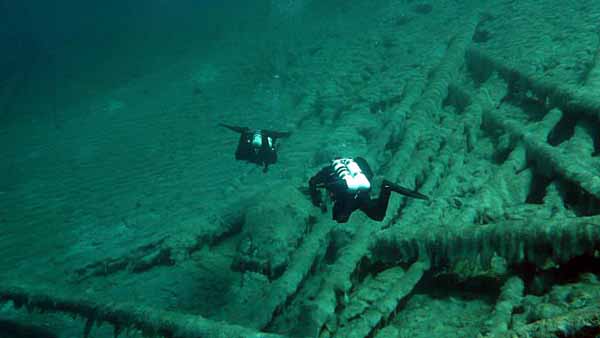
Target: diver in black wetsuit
[(348, 182), (256, 145)]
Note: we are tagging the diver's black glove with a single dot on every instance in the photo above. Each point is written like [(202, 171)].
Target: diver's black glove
[(315, 195), (315, 198), (317, 201)]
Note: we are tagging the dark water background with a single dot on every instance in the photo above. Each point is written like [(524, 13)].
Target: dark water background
[(63, 51)]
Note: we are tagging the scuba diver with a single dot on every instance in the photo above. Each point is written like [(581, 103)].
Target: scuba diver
[(348, 182), (256, 145)]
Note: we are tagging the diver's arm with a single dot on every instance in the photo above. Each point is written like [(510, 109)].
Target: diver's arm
[(234, 128), (316, 182)]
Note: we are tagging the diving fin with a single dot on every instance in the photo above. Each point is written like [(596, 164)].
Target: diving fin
[(234, 128), (405, 191), (276, 134)]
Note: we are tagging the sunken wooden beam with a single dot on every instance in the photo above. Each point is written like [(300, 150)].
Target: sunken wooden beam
[(394, 122), (167, 250), (283, 289), (123, 316), (510, 297), (552, 160), (568, 99), (368, 293), (446, 175), (427, 108), (531, 240), (584, 322), (411, 165), (140, 259), (338, 280), (365, 323)]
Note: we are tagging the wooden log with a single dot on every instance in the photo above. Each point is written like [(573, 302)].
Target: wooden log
[(284, 288), (551, 159), (568, 99), (584, 322), (121, 315), (510, 297), (376, 315), (530, 240)]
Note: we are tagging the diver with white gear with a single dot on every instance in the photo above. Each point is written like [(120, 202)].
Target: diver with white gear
[(256, 145), (348, 182)]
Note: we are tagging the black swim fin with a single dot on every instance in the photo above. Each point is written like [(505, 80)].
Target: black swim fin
[(235, 128), (268, 133), (276, 134), (405, 191)]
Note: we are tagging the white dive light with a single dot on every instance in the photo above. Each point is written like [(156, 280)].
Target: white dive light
[(348, 170)]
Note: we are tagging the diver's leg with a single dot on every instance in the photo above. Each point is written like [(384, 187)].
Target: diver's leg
[(341, 212), (268, 156), (377, 208), (243, 149)]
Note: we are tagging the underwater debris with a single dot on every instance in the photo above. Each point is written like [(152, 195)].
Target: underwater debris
[(525, 241), (584, 322), (551, 159), (510, 297), (568, 99), (273, 229), (14, 329), (283, 289), (569, 157), (427, 106), (165, 323), (167, 251), (380, 309)]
